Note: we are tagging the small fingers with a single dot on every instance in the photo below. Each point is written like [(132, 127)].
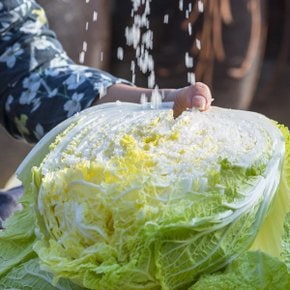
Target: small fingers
[(195, 96), (201, 97), (199, 102)]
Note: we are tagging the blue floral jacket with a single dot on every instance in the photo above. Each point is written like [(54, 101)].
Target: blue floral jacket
[(40, 86)]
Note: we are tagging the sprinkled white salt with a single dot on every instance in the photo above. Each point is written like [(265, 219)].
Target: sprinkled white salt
[(95, 16), (191, 78), (136, 4), (85, 46), (82, 57), (102, 91), (189, 7), (133, 65), (145, 62), (200, 6), (188, 60), (133, 69), (166, 19), (143, 100), (133, 35), (87, 26), (156, 99), (147, 39), (151, 79), (197, 43), (181, 5), (120, 53), (189, 28), (140, 37)]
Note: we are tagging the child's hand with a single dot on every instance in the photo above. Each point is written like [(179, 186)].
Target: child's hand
[(194, 96)]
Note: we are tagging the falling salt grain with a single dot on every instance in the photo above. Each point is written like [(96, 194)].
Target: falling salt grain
[(85, 46), (156, 99), (120, 53), (95, 16), (133, 35), (102, 56), (82, 57), (102, 91), (189, 29), (188, 60), (166, 18), (191, 78), (136, 4), (190, 7), (87, 1), (151, 80), (147, 7), (181, 5), (87, 26), (133, 67), (198, 44), (145, 62), (143, 100), (200, 6), (147, 39), (138, 51)]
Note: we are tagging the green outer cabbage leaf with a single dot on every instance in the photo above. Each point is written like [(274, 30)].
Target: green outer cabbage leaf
[(285, 246), (275, 220), (250, 271), (255, 270), (29, 276), (19, 263)]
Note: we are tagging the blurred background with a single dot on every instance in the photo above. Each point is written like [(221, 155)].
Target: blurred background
[(244, 55)]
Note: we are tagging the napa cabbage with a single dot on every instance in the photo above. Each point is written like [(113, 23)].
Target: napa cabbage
[(129, 198)]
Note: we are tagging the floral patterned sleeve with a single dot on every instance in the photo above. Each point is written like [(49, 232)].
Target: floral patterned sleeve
[(40, 86)]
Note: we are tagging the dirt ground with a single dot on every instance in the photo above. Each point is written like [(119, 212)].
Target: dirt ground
[(275, 106)]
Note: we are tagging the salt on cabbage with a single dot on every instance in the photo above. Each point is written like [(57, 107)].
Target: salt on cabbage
[(129, 198)]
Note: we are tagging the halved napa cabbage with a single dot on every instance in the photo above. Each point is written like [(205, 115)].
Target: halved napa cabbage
[(129, 198)]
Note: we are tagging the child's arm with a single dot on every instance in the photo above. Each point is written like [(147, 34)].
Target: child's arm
[(197, 96)]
